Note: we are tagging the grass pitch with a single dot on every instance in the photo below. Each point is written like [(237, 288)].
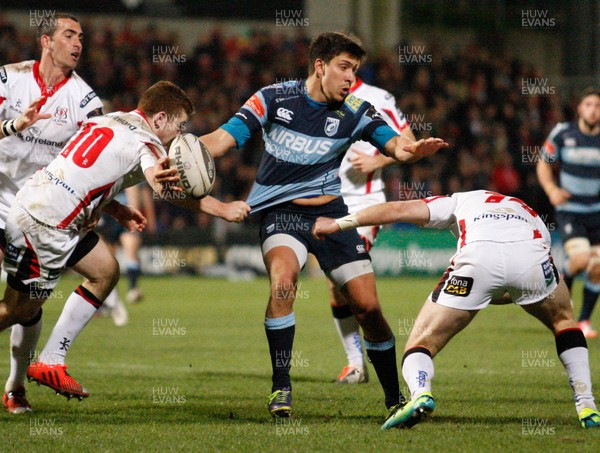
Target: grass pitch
[(191, 372)]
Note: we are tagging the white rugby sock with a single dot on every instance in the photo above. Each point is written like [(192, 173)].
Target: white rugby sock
[(23, 340), (576, 362), (418, 371), (79, 309), (348, 330)]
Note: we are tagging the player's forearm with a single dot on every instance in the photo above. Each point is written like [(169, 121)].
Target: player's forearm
[(112, 208), (373, 215), (379, 214), (408, 133), (212, 206), (399, 154), (133, 196), (546, 177), (383, 161), (218, 142), (414, 211), (148, 204), (407, 138)]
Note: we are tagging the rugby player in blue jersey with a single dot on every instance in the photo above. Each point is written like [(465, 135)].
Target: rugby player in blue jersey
[(574, 147), (307, 127)]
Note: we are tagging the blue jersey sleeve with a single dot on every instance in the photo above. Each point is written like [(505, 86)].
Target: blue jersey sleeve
[(551, 150), (250, 117), (238, 129), (373, 129)]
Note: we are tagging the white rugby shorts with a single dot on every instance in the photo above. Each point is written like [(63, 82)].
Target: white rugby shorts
[(36, 253), (484, 270)]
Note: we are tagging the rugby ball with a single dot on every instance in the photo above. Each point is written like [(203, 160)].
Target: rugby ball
[(194, 164)]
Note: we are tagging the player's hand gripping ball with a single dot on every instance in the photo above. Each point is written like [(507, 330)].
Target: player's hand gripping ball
[(194, 164)]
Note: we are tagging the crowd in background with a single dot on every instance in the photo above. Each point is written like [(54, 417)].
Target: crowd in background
[(470, 97)]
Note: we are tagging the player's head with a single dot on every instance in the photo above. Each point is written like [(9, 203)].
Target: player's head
[(60, 37), (588, 108), (168, 108), (333, 60)]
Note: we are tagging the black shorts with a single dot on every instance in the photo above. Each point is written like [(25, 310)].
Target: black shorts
[(297, 221), (573, 225), (85, 246)]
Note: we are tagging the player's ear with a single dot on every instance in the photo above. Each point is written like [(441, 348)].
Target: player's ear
[(45, 41), (319, 67), (159, 120)]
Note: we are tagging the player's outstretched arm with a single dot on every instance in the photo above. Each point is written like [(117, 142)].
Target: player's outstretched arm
[(413, 211), (163, 181), (235, 211), (29, 117), (407, 151), (218, 142)]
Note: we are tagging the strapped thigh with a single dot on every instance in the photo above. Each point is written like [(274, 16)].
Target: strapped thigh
[(285, 240)]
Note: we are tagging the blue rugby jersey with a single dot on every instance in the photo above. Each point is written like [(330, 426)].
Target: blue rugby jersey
[(305, 141), (579, 173)]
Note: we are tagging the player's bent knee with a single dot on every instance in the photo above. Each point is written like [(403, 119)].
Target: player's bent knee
[(579, 251), (104, 281), (283, 290)]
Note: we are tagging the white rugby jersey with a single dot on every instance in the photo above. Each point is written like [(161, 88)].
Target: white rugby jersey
[(108, 154), (485, 216), (70, 103), (354, 182)]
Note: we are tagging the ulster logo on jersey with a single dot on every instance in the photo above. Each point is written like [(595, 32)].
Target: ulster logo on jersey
[(60, 116), (331, 126), (570, 141), (61, 113)]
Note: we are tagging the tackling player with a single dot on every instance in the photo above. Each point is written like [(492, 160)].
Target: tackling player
[(362, 186), (58, 97), (308, 126), (574, 148), (48, 225), (503, 252)]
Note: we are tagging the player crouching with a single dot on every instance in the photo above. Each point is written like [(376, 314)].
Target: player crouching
[(503, 251)]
